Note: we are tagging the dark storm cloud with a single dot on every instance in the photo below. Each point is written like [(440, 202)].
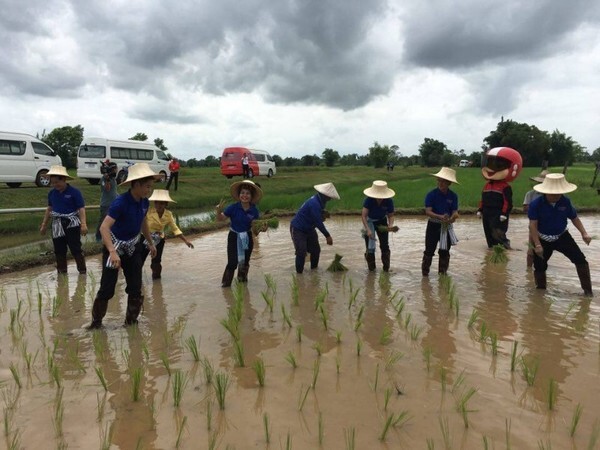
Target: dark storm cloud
[(166, 114), (453, 35)]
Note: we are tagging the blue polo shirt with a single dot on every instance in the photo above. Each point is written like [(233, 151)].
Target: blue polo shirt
[(128, 215), (441, 203), (241, 220), (309, 217), (552, 219), (67, 201), (378, 211)]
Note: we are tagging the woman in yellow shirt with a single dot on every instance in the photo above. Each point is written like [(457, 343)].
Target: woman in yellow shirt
[(159, 218)]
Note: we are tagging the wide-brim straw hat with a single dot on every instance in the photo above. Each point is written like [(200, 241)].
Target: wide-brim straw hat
[(539, 178), (59, 171), (447, 174), (327, 189), (236, 187), (139, 171), (161, 195), (555, 183), (379, 189)]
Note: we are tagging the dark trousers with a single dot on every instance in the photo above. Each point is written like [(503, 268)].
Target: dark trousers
[(174, 177), (495, 231), (159, 251), (382, 237), (103, 213), (305, 243), (71, 239), (432, 237), (245, 170), (566, 245), (232, 258), (132, 269)]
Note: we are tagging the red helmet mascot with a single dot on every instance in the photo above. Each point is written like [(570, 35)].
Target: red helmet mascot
[(500, 166)]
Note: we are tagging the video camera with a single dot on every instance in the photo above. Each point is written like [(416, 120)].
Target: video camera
[(108, 168)]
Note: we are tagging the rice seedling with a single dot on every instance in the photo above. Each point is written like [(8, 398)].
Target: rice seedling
[(208, 370), (220, 385), (209, 405), (321, 427), (494, 343), (262, 225), (192, 346), (302, 398), (286, 317), (458, 382), (259, 370), (320, 298), (415, 331), (399, 307), (336, 265), (358, 346), (136, 383), (392, 358), (486, 444), (353, 295), (15, 441), (445, 429), (544, 445), (318, 348), (231, 324), (180, 428), (430, 444), (59, 410), (594, 436), (100, 405), (266, 428), (461, 404), (358, 322), (295, 291), (456, 306), (39, 303), (106, 435), (472, 319), (401, 419), (386, 426), (270, 282), (180, 380), (407, 320), (238, 353), (376, 382), (338, 363), (315, 372), (507, 426), (126, 356), (291, 359), (165, 360), (15, 373), (498, 255), (338, 337), (513, 356), (29, 359), (299, 333), (443, 377), (101, 377), (529, 366), (350, 438), (570, 308), (57, 302), (212, 440), (551, 394), (145, 349), (386, 398), (98, 343), (427, 353), (575, 419), (324, 316), (483, 332), (288, 441), (269, 299), (386, 335)]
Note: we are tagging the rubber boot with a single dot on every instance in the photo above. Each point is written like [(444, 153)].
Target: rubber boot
[(242, 274), (300, 264), (156, 270), (134, 307), (370, 257), (540, 279), (80, 261), (583, 272), (425, 265), (61, 263), (444, 262), (98, 313), (227, 278), (385, 259)]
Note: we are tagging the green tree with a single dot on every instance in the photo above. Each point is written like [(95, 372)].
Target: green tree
[(139, 137), (65, 142), (277, 160), (379, 155), (330, 156), (310, 160), (158, 142), (532, 143), (564, 149), (435, 153)]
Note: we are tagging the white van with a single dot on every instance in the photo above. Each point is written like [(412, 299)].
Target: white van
[(25, 159), (265, 162), (93, 151), (464, 163)]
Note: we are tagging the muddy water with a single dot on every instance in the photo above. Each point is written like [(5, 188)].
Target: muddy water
[(441, 357)]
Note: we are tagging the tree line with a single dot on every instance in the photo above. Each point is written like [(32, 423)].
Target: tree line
[(537, 147)]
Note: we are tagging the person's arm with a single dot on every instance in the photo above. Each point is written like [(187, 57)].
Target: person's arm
[(429, 213), (365, 215), (148, 236), (107, 224), (44, 224), (315, 212), (390, 217), (219, 215), (453, 216), (579, 225), (535, 237), (83, 220)]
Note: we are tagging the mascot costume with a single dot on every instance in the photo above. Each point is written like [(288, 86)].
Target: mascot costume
[(500, 166)]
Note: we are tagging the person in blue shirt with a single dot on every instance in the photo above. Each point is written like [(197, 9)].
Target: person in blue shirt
[(378, 211), (66, 208), (303, 227), (239, 240), (441, 207), (123, 249), (548, 216)]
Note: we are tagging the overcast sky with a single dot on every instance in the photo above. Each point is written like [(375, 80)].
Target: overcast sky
[(297, 76)]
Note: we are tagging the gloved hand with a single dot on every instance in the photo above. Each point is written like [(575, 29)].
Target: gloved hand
[(503, 218)]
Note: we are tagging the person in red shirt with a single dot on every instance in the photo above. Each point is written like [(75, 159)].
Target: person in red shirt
[(174, 169)]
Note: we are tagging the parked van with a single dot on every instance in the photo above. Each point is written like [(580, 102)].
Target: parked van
[(93, 151), (260, 162), (464, 163), (25, 159)]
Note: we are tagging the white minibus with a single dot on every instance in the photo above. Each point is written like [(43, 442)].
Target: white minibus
[(266, 165), (25, 159), (93, 151)]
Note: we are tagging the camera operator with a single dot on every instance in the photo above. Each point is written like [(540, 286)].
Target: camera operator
[(108, 189)]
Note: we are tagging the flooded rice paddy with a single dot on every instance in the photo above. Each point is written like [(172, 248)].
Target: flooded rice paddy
[(381, 360)]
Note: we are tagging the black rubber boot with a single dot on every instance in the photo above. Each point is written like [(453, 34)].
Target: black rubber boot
[(583, 272), (444, 262), (425, 265), (98, 312), (227, 278), (134, 307), (80, 261), (61, 263), (386, 256), (156, 270), (242, 274), (540, 279), (370, 257)]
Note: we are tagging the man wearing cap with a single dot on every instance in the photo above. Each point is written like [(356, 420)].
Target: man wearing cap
[(122, 244), (378, 218), (441, 207), (548, 216), (159, 219), (304, 224), (66, 207), (529, 197)]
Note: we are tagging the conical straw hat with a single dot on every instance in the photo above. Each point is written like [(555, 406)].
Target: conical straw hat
[(59, 171), (379, 189), (327, 189), (161, 195), (555, 183), (238, 185), (139, 171), (447, 174)]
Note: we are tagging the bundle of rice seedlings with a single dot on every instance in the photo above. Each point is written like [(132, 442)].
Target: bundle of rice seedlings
[(498, 255), (386, 229), (336, 265), (261, 225)]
